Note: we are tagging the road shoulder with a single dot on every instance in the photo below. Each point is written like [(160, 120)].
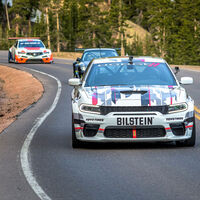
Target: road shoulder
[(19, 90)]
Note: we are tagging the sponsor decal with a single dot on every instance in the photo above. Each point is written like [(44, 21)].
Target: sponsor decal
[(132, 121), (154, 64), (174, 118), (97, 120)]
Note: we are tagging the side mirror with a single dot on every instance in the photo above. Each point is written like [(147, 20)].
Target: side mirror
[(176, 70), (78, 59), (186, 80), (74, 81)]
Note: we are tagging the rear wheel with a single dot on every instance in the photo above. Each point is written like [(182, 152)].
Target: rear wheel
[(191, 141), (75, 142)]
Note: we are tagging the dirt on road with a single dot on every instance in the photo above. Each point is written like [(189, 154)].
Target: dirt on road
[(18, 90)]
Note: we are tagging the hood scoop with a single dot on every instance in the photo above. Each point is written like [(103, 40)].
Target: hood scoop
[(133, 92)]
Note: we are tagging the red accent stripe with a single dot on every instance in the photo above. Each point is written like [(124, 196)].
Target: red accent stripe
[(78, 128), (101, 129), (167, 128), (94, 97), (156, 64), (134, 133), (189, 126), (32, 48), (151, 64)]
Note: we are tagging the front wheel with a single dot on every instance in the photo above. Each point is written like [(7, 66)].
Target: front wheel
[(191, 141), (9, 57), (75, 142)]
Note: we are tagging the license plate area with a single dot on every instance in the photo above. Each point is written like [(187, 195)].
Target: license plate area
[(134, 121)]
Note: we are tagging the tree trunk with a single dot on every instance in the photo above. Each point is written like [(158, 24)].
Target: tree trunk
[(29, 27), (93, 39), (58, 32), (7, 17), (48, 34), (121, 30), (17, 26)]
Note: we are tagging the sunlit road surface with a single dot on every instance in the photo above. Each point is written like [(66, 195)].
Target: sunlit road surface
[(112, 171)]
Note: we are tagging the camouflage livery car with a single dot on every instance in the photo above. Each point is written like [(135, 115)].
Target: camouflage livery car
[(126, 99)]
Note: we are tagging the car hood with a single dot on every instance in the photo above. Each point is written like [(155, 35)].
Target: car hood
[(135, 95)]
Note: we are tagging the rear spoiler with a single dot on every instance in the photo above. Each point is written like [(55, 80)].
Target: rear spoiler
[(18, 38), (82, 49)]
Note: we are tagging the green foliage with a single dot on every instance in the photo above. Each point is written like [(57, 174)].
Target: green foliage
[(174, 25)]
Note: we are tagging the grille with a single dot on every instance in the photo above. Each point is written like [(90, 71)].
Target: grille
[(141, 132), (34, 61), (90, 130), (178, 129), (35, 54), (107, 109)]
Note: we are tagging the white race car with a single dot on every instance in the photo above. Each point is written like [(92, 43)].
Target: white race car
[(29, 51), (126, 99)]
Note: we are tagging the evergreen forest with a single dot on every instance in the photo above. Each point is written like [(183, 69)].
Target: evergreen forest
[(173, 26)]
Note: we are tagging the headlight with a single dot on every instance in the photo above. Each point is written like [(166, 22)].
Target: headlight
[(177, 107), (90, 108)]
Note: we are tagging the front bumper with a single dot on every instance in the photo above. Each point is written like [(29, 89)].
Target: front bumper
[(106, 128), (33, 59)]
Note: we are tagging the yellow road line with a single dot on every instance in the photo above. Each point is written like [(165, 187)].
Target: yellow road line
[(197, 116), (197, 109)]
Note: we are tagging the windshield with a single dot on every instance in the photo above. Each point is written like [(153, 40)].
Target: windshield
[(124, 73), (31, 44), (89, 55)]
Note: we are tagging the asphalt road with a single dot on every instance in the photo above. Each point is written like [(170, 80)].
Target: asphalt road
[(101, 172)]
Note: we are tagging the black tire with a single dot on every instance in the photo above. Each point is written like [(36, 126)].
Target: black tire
[(9, 56), (191, 141), (15, 61), (75, 142)]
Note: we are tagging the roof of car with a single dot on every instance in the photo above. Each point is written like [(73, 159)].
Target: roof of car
[(99, 49), (28, 40), (126, 58)]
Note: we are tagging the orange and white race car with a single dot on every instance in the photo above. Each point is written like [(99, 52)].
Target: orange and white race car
[(29, 50)]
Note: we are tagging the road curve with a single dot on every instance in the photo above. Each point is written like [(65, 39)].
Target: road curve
[(143, 171)]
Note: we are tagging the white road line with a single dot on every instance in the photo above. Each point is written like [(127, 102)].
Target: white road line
[(24, 154)]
